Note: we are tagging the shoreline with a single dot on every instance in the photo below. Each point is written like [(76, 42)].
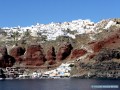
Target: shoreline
[(98, 78)]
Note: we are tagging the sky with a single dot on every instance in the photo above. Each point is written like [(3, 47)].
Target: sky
[(30, 12)]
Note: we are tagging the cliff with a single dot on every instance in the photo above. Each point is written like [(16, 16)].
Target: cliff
[(93, 47)]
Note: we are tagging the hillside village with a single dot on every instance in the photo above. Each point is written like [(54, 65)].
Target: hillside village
[(54, 30), (69, 49)]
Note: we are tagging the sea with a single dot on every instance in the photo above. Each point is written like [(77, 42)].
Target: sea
[(60, 84)]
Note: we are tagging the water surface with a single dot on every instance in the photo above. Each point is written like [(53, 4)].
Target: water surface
[(59, 84)]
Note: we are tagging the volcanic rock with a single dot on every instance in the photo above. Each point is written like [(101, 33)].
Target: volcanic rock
[(78, 53), (3, 51), (91, 56), (51, 62), (17, 51), (6, 60), (110, 41), (51, 54), (64, 51), (34, 55), (98, 46), (107, 54)]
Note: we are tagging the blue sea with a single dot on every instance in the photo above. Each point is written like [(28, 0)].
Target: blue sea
[(61, 84)]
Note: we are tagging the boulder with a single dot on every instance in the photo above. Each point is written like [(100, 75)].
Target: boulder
[(51, 54), (64, 51), (78, 53)]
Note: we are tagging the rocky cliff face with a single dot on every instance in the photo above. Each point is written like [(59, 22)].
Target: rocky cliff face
[(5, 59), (78, 53), (16, 52), (104, 59), (34, 55), (51, 56), (111, 39), (64, 51), (93, 51)]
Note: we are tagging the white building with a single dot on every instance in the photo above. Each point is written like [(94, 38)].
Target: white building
[(53, 30), (62, 71)]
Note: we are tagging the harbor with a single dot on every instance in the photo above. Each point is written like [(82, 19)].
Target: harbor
[(9, 73)]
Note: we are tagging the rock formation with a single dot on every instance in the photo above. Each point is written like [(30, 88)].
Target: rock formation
[(16, 52), (107, 54), (51, 54), (64, 51), (111, 41), (5, 59), (77, 53), (34, 55), (3, 51)]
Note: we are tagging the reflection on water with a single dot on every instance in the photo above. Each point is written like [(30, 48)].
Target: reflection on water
[(60, 84)]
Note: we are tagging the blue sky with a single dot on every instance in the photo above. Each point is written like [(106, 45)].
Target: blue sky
[(29, 12)]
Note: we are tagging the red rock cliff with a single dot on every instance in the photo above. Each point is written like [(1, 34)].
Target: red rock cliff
[(64, 51), (34, 55)]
